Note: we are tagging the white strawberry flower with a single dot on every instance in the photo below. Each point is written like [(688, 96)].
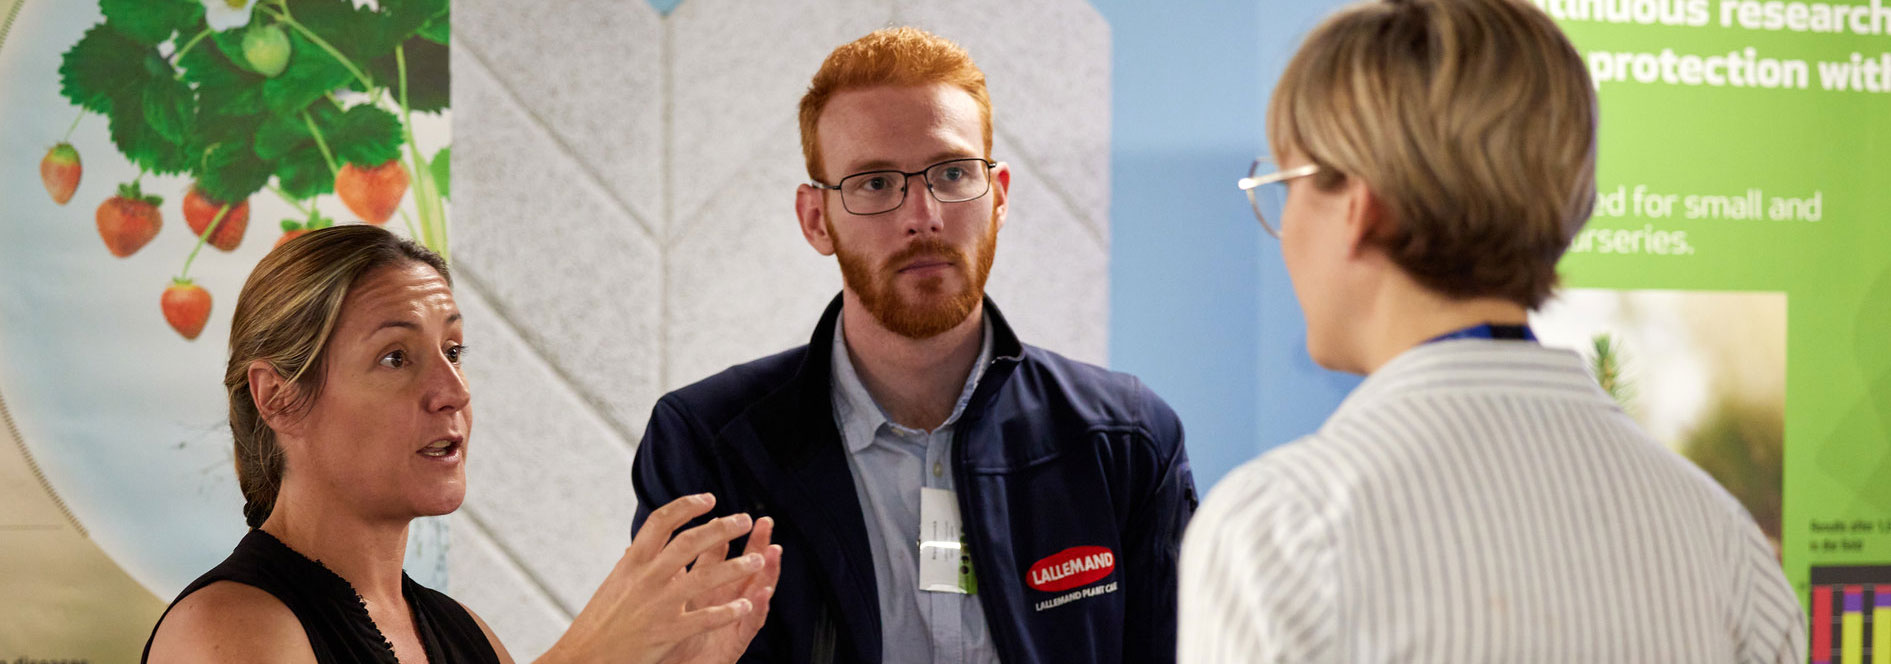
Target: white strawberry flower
[(226, 14)]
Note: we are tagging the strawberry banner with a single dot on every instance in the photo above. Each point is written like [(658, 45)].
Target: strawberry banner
[(252, 122)]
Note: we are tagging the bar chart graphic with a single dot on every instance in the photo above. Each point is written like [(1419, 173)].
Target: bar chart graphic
[(1851, 615)]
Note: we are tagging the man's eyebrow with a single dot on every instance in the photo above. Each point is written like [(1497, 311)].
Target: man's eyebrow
[(884, 165), (455, 318)]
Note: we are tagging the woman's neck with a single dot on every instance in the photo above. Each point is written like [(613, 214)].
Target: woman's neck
[(367, 553)]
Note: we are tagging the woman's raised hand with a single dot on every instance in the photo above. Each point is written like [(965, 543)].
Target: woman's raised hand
[(655, 600)]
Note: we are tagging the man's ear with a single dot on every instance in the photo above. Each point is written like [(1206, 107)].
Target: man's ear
[(809, 208), (272, 393), (1001, 189), (1366, 215)]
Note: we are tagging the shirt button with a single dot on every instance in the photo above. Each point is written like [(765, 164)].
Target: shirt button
[(938, 469)]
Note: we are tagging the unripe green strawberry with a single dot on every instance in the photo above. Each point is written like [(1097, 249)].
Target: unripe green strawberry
[(267, 49)]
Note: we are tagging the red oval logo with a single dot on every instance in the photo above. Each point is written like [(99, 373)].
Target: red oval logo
[(1072, 567)]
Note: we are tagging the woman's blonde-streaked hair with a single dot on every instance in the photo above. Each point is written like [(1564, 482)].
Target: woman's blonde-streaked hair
[(1472, 121), (891, 57), (284, 316)]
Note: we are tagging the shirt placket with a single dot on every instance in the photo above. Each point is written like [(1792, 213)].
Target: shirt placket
[(945, 621)]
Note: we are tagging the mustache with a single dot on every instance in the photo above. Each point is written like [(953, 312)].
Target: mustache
[(922, 248)]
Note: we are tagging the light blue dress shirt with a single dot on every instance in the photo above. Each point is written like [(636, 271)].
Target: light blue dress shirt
[(890, 463)]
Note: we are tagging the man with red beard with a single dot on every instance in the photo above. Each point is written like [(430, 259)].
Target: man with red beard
[(942, 492)]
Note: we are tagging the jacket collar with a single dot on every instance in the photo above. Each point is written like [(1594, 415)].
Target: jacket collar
[(809, 392)]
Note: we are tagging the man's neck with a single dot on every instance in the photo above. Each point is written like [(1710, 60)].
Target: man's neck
[(916, 381), (366, 553), (1404, 315)]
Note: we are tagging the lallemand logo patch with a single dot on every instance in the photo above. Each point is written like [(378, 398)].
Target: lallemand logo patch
[(1071, 568)]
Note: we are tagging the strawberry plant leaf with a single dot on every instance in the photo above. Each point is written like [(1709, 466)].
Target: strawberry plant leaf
[(442, 169), (304, 174), (439, 30), (224, 90), (150, 22), (171, 109), (402, 19), (366, 136), (339, 22), (428, 77), (102, 66), (143, 144), (311, 74), (231, 172), (280, 135), (365, 35)]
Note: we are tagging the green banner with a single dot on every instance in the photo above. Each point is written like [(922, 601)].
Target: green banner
[(1745, 167)]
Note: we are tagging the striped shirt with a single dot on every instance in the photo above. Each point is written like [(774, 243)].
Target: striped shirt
[(1480, 501)]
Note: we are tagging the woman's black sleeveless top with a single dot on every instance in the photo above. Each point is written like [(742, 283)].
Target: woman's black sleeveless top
[(334, 616)]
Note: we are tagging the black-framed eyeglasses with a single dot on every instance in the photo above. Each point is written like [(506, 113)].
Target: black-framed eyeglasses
[(1267, 190), (879, 192)]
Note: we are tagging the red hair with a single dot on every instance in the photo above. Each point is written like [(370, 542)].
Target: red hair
[(892, 57)]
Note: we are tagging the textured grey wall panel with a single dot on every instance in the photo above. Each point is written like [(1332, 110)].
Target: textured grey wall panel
[(592, 70), (548, 475), (576, 272)]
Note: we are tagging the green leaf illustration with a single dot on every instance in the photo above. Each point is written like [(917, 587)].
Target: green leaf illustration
[(151, 22), (231, 172), (303, 174), (101, 67), (442, 168), (143, 144), (171, 109), (439, 30), (366, 136), (281, 135), (223, 89), (312, 74), (427, 75)]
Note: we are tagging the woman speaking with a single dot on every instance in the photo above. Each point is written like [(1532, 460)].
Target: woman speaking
[(351, 418)]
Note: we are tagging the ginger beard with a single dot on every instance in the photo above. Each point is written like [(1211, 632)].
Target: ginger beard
[(935, 311)]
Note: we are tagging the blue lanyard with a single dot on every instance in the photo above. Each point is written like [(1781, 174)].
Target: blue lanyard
[(1489, 331)]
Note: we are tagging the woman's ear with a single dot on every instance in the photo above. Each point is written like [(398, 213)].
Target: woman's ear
[(272, 393), (1366, 215)]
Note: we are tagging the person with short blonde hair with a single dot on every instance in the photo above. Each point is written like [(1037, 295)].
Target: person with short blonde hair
[(957, 495), (1478, 498)]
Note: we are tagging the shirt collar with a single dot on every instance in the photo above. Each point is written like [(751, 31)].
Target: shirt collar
[(860, 417)]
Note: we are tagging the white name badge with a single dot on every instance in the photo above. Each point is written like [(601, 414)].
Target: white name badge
[(943, 565)]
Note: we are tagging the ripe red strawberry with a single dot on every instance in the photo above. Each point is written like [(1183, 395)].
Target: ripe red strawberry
[(186, 307), (129, 220), (289, 235), (372, 193), (60, 170), (200, 210)]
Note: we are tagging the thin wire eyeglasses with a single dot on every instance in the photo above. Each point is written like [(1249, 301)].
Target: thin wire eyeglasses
[(951, 181), (1268, 193)]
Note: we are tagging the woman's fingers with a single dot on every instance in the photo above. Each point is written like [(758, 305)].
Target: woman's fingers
[(711, 556), (760, 536), (657, 529), (695, 541), (722, 573), (702, 620)]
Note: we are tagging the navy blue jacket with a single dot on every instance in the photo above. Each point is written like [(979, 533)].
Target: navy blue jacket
[(1072, 483)]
